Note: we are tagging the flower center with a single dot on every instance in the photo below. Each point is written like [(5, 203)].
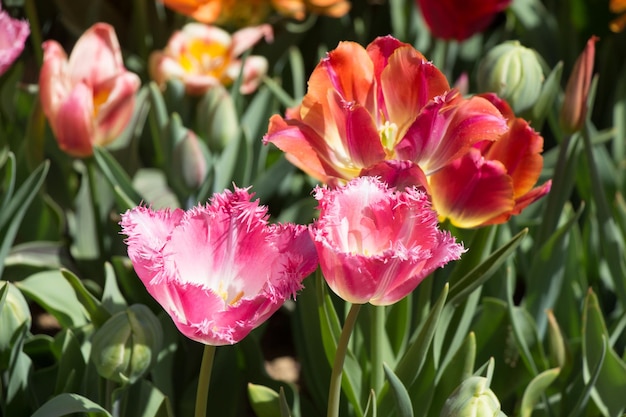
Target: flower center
[(227, 294), (388, 136), (206, 58)]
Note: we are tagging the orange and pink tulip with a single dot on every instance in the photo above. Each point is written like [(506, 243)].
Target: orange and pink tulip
[(90, 97)]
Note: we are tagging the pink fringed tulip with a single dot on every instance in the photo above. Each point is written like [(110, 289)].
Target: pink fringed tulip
[(202, 56), (13, 35), (368, 106), (90, 98), (218, 270), (460, 19), (376, 244), (494, 180)]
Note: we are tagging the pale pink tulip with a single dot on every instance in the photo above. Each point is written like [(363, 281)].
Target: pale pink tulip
[(13, 34), (218, 270), (203, 56), (88, 99), (376, 244)]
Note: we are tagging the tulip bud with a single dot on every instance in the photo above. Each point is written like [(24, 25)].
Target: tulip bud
[(472, 398), (217, 118), (513, 72), (13, 313), (127, 344), (190, 160), (574, 110)]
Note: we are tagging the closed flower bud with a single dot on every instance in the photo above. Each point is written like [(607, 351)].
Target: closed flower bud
[(217, 118), (574, 110), (472, 398), (13, 314), (126, 346), (513, 72), (190, 160)]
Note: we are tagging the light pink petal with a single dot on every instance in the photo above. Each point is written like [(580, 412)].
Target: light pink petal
[(96, 57), (54, 82), (472, 190), (246, 38), (254, 68)]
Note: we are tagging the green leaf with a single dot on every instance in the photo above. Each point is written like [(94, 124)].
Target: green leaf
[(411, 364), (20, 367), (480, 274), (547, 270), (54, 294), (608, 393), (112, 299), (264, 400), (16, 208), (536, 389), (403, 401), (8, 181), (370, 407), (581, 404), (284, 406), (93, 306), (118, 178), (142, 399), (550, 90), (460, 367), (65, 404), (71, 363)]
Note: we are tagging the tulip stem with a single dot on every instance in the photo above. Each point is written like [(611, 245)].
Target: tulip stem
[(95, 206), (35, 32), (376, 343), (334, 392), (204, 379)]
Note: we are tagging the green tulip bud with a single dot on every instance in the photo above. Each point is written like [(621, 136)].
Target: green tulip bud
[(14, 313), (513, 72), (127, 344), (472, 398), (217, 118), (190, 160)]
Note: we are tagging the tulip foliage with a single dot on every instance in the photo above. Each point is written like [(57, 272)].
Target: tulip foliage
[(298, 208)]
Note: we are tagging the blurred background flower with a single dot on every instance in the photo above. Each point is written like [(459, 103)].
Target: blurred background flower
[(618, 7), (460, 19), (90, 97), (253, 12), (13, 35), (203, 56)]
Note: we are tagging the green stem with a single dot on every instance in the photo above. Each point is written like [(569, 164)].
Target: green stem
[(377, 348), (204, 380), (334, 392), (35, 33), (95, 204)]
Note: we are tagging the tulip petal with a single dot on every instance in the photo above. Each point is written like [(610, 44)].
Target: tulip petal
[(447, 127), (472, 190), (422, 82), (112, 116), (520, 152), (99, 47), (246, 38), (73, 124)]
